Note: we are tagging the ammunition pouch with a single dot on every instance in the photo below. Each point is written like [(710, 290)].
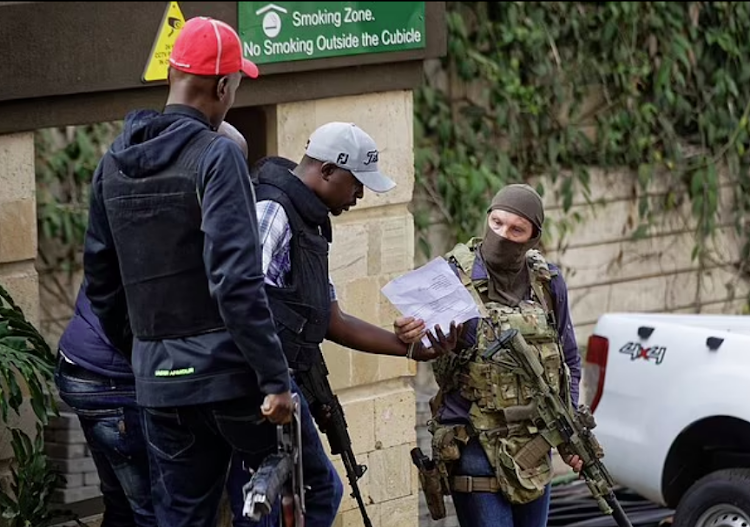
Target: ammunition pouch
[(523, 465), (446, 439)]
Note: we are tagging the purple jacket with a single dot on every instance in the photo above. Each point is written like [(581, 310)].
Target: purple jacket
[(85, 343), (456, 408)]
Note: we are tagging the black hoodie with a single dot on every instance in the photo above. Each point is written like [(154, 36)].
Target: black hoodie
[(246, 358)]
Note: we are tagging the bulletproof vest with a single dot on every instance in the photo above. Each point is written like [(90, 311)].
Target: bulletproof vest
[(156, 226), (493, 386), (302, 307)]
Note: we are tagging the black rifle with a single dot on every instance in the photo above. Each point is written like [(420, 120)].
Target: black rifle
[(280, 475), (560, 426), (328, 413)]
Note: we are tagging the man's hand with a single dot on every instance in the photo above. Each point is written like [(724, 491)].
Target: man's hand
[(440, 344), (409, 329), (574, 462), (278, 408)]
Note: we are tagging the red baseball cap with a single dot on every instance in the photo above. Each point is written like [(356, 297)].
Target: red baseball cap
[(206, 46)]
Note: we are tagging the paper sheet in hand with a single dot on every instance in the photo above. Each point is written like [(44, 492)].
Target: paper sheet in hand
[(434, 294)]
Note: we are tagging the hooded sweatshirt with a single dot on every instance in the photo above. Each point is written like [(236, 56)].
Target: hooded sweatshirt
[(245, 358)]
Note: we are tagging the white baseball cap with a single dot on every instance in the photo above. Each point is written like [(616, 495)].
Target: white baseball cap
[(349, 147)]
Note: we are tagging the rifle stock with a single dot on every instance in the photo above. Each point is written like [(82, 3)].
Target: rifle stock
[(280, 475), (317, 390), (561, 428)]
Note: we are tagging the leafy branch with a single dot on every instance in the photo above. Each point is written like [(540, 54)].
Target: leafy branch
[(531, 89), (25, 358)]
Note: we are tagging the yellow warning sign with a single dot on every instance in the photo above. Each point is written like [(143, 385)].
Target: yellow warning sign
[(158, 62)]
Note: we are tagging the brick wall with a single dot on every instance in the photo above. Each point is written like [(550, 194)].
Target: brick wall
[(69, 454)]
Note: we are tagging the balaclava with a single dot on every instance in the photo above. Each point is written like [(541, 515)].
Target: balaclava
[(504, 259)]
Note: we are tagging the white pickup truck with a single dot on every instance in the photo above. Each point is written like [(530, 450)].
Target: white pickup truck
[(671, 398)]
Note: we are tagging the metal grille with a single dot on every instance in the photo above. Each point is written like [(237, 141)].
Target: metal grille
[(573, 506)]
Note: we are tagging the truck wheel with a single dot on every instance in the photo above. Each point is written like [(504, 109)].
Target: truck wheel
[(721, 499)]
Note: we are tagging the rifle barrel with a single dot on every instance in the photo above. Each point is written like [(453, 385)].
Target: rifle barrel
[(617, 511)]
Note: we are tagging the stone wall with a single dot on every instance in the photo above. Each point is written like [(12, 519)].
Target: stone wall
[(607, 270), (18, 233), (18, 247), (372, 243)]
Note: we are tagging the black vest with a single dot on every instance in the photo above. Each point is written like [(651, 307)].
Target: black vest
[(156, 226), (302, 308)]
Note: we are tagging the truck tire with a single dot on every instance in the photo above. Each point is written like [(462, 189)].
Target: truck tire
[(720, 499)]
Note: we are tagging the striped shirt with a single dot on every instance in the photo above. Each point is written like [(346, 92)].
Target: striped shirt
[(275, 238)]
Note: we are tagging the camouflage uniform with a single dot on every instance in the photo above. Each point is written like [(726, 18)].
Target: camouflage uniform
[(515, 448)]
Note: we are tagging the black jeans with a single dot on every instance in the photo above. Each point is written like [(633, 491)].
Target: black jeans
[(111, 423), (190, 449)]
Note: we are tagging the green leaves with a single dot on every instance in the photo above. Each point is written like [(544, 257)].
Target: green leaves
[(66, 159), (643, 80), (26, 360)]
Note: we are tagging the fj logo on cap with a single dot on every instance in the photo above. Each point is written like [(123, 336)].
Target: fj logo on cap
[(343, 158)]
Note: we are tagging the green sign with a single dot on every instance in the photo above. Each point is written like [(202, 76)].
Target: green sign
[(288, 31)]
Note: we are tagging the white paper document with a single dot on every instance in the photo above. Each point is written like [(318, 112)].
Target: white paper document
[(434, 294)]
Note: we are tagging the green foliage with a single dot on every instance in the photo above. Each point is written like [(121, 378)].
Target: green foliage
[(553, 88), (25, 356), (28, 504), (66, 159)]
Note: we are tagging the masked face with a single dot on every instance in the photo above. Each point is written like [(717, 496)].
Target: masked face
[(510, 226), (507, 240)]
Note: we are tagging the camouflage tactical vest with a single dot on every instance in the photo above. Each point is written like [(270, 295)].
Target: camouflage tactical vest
[(494, 386)]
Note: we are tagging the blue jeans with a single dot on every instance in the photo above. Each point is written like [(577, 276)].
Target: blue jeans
[(190, 449), (111, 423), (322, 500), (484, 509)]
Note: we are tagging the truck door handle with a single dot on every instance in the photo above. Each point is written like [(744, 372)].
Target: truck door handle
[(645, 332), (713, 343)]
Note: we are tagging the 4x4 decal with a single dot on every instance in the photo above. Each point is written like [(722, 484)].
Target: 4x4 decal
[(636, 351)]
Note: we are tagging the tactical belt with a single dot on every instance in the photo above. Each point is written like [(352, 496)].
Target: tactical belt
[(475, 484)]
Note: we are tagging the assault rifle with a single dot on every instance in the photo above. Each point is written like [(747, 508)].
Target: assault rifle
[(280, 475), (328, 413), (559, 427)]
